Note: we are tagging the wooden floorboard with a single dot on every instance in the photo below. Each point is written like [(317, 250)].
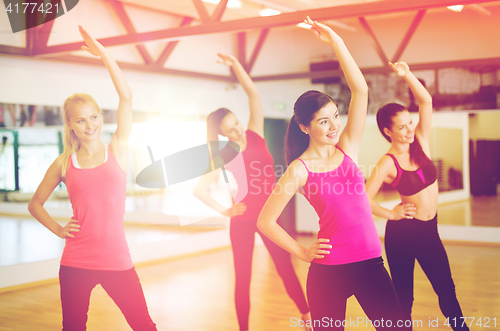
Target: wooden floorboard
[(196, 293)]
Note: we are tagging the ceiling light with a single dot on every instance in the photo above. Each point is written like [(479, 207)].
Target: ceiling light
[(236, 4), (269, 12), (457, 8), (304, 25)]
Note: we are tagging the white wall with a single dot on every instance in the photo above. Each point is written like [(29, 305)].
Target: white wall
[(44, 82)]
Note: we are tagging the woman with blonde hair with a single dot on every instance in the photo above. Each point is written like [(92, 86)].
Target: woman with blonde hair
[(96, 251)]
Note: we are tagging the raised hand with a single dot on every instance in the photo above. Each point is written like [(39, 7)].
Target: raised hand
[(322, 31), (67, 230), (407, 210), (401, 68), (93, 46), (227, 59), (317, 250), (237, 209)]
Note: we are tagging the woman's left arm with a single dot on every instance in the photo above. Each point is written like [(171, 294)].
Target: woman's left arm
[(119, 141), (294, 177), (424, 99)]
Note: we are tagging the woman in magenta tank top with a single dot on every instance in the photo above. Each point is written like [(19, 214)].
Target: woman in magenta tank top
[(346, 258), (96, 251), (411, 232), (255, 182)]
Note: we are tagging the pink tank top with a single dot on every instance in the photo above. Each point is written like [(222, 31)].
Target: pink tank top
[(345, 217), (97, 197)]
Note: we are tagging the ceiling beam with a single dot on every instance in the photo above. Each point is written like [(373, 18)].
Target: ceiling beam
[(356, 10), (43, 32), (219, 11), (376, 43), (473, 63), (409, 34), (260, 42), (140, 67), (202, 11), (12, 50), (129, 26), (171, 45), (242, 49)]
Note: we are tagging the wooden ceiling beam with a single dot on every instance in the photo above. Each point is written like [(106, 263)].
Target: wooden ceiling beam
[(140, 67), (376, 43), (356, 10), (258, 47), (409, 34), (119, 9), (202, 11), (219, 11), (171, 45)]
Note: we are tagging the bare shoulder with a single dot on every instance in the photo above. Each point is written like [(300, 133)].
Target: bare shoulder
[(298, 171), (58, 163), (119, 146), (386, 168)]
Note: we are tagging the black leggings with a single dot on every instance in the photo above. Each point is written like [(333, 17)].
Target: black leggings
[(329, 287), (408, 240), (122, 286), (242, 235)]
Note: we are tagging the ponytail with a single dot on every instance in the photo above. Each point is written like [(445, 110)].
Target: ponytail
[(417, 154), (296, 141)]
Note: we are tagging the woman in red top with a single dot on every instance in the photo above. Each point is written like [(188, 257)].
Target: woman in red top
[(96, 251), (255, 182)]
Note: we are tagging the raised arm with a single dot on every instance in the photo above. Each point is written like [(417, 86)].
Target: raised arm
[(124, 112), (423, 98), (293, 178), (353, 131), (50, 181), (256, 121), (379, 175)]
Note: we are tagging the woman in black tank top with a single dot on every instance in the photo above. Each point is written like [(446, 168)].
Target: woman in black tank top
[(411, 231)]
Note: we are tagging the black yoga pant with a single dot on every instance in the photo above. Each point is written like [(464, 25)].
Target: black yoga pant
[(122, 286), (407, 240), (242, 234), (329, 287)]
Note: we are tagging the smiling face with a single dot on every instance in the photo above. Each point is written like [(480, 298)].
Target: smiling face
[(85, 121), (232, 128), (324, 129), (402, 130)]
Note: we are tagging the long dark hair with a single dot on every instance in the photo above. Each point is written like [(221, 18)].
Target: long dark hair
[(384, 120), (296, 141)]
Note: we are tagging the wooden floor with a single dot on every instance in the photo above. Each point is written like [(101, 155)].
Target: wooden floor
[(196, 293)]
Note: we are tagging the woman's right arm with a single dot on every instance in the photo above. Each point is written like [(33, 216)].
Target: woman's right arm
[(256, 120), (424, 99), (201, 191), (350, 140), (378, 176), (50, 181), (289, 183)]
